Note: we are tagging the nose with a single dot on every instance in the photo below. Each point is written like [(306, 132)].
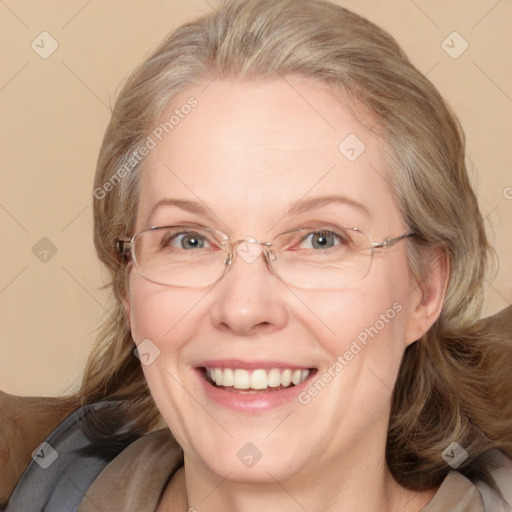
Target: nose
[(249, 299)]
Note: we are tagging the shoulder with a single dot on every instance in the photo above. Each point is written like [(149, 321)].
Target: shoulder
[(501, 472), (458, 494), (58, 458), (135, 480)]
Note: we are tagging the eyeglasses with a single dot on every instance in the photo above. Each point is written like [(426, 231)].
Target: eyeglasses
[(315, 257)]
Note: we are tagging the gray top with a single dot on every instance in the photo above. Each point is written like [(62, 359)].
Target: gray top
[(66, 464)]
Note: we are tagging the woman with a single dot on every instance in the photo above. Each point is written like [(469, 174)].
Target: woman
[(295, 251)]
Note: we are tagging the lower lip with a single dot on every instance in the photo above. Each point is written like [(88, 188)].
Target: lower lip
[(251, 402)]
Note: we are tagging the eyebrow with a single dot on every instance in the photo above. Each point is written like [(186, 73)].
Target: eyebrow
[(299, 207), (183, 204), (302, 206)]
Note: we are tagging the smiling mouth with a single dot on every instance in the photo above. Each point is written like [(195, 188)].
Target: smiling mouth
[(239, 380)]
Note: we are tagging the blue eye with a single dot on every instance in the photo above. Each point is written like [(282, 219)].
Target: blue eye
[(191, 241), (184, 240), (323, 239)]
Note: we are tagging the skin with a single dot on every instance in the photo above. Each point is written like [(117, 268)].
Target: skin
[(249, 151)]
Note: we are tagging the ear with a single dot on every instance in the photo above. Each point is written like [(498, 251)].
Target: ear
[(427, 298)]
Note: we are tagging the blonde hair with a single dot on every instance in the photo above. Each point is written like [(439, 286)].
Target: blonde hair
[(451, 384)]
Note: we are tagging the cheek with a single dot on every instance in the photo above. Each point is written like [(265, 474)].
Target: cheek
[(162, 322), (361, 315), (364, 328), (146, 314), (157, 312)]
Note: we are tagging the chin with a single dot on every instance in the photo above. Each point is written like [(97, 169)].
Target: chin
[(254, 462)]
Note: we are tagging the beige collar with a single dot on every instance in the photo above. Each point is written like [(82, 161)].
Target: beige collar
[(456, 494), (137, 477)]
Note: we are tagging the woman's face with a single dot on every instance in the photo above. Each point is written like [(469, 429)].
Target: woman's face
[(244, 156)]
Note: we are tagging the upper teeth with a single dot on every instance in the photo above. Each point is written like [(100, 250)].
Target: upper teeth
[(257, 379)]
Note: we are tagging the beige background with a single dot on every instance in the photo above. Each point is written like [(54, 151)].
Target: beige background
[(54, 112)]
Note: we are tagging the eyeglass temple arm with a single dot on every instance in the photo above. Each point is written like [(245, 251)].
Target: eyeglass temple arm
[(391, 241)]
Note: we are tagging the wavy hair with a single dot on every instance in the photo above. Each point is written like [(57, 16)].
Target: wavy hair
[(452, 382)]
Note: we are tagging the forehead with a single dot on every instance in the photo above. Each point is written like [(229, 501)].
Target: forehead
[(253, 149)]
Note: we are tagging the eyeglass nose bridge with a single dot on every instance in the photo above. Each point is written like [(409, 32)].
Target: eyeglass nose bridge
[(249, 249)]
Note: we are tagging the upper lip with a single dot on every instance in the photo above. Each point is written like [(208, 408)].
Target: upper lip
[(251, 365)]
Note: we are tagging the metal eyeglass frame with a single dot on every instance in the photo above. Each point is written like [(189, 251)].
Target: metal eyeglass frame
[(125, 247)]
